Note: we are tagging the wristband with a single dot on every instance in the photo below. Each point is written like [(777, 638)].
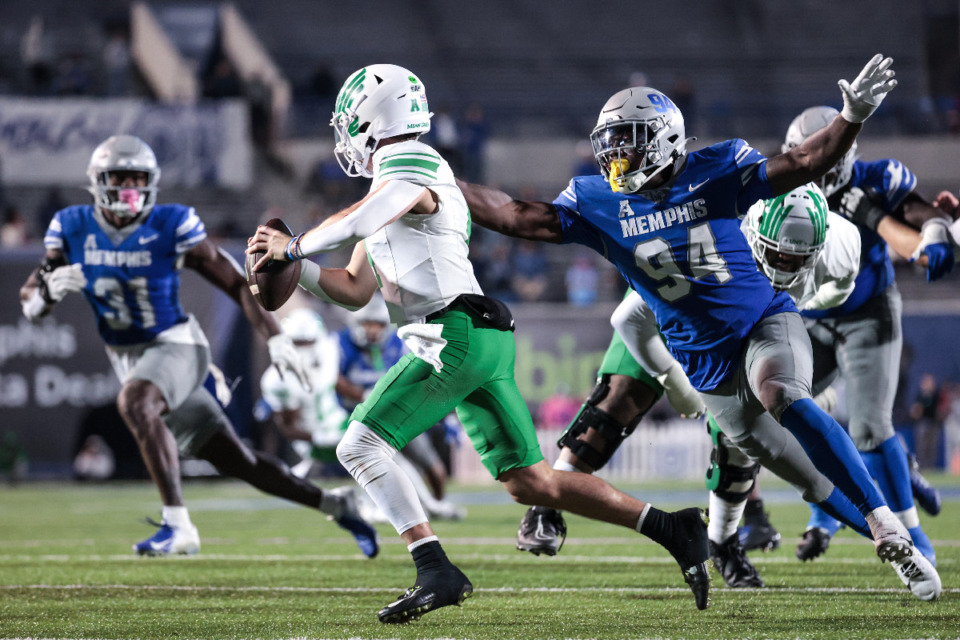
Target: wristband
[(292, 251)]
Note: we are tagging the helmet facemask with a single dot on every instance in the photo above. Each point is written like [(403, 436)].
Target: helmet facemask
[(639, 135), (787, 233), (127, 155)]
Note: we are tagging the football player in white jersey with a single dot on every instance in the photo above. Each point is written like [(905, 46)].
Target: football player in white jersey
[(124, 252), (414, 226), (310, 417)]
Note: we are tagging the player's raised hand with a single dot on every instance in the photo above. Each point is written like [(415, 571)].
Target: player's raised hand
[(272, 242), (947, 201), (862, 96), (61, 281), (284, 356)]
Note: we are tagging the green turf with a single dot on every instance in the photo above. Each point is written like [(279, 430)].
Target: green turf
[(269, 571)]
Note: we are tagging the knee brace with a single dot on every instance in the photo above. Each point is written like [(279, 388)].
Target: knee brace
[(590, 416), (731, 474), (364, 454)]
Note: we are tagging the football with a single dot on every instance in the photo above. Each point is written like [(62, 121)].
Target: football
[(276, 281)]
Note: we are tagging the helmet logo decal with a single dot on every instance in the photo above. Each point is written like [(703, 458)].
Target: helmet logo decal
[(661, 103)]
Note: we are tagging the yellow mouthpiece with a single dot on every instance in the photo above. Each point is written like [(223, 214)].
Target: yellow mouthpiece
[(617, 169)]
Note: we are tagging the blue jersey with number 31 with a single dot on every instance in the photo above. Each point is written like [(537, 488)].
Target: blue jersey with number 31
[(685, 254), (133, 286)]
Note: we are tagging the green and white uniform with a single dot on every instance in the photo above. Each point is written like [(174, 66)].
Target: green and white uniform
[(320, 412), (457, 360)]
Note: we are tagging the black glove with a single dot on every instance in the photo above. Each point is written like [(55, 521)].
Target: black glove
[(855, 205)]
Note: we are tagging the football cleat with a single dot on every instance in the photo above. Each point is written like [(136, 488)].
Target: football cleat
[(731, 561), (758, 533), (446, 510), (542, 530), (689, 547), (919, 575), (440, 589), (814, 544), (890, 537), (348, 518), (168, 541), (926, 496)]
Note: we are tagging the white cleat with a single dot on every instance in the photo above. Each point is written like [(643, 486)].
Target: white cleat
[(919, 575), (445, 510), (891, 538), (169, 541)]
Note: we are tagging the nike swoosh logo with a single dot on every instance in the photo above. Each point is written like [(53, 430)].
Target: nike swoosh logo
[(157, 546), (694, 187), (147, 239)]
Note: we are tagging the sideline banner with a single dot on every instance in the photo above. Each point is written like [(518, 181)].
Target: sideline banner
[(42, 142)]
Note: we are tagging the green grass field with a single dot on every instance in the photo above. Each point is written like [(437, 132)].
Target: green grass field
[(270, 571)]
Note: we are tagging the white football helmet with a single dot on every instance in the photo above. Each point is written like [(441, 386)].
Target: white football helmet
[(794, 224), (376, 102), (123, 153), (643, 123), (376, 312), (808, 123), (308, 332)]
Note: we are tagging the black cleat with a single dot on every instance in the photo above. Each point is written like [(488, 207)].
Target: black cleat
[(758, 533), (438, 590), (926, 495), (814, 544), (732, 563), (542, 530), (690, 549)]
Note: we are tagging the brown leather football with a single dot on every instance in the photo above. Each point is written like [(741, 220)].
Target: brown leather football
[(277, 280)]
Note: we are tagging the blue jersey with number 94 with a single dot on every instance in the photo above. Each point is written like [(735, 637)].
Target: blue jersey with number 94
[(133, 286), (685, 253)]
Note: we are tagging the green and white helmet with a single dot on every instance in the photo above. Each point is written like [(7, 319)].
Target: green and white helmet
[(808, 123), (379, 101), (794, 224)]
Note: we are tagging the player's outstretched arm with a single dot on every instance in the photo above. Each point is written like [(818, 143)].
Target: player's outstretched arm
[(219, 269), (819, 153), (495, 210), (222, 271), (379, 208)]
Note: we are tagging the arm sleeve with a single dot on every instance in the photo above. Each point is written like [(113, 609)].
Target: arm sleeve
[(636, 324), (393, 199)]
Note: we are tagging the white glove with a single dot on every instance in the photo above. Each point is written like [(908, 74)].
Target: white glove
[(862, 97), (681, 394), (284, 355), (61, 281)]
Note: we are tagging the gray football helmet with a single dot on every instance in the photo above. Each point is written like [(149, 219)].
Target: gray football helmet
[(641, 123), (123, 153), (808, 123)]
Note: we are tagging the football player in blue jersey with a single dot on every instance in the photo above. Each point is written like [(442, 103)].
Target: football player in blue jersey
[(862, 338), (124, 253), (668, 219)]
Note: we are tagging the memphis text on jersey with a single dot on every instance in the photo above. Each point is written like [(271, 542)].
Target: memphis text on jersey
[(94, 256), (633, 225)]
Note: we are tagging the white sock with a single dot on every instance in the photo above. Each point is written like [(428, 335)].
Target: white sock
[(176, 516), (561, 465), (422, 541), (724, 518), (643, 515), (370, 460)]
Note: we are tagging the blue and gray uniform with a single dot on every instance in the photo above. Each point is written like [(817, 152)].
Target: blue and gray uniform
[(133, 287), (862, 340), (681, 248)]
